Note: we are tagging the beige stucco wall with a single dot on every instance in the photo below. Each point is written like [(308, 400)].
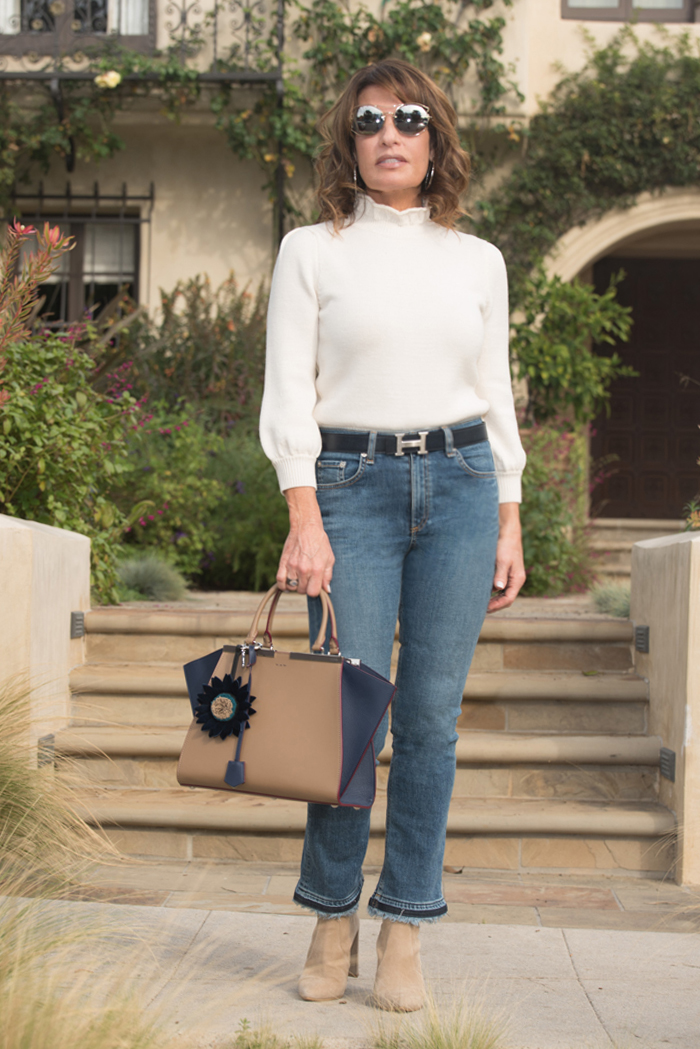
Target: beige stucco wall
[(211, 214), (541, 44), (666, 598), (45, 576)]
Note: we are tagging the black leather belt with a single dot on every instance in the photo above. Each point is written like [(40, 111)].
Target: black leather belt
[(421, 443)]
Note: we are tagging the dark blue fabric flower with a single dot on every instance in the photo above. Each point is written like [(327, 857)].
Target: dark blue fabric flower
[(223, 706)]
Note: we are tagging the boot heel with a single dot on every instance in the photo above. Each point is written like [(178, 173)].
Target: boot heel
[(354, 969)]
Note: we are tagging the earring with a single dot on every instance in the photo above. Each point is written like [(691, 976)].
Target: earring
[(354, 178), (428, 180)]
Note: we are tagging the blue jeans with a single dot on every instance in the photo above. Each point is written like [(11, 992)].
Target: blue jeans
[(414, 536)]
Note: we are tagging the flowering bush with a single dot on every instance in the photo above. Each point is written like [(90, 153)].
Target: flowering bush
[(168, 477), (555, 541), (18, 291)]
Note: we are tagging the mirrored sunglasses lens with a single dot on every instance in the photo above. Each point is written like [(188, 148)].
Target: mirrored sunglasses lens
[(411, 120), (368, 120)]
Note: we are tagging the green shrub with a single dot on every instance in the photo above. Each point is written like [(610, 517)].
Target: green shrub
[(169, 477), (552, 345), (555, 539), (251, 521), (206, 348), (147, 577), (613, 599), (62, 445)]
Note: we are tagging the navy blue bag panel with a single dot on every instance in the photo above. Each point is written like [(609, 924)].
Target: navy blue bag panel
[(362, 787), (198, 674), (366, 696)]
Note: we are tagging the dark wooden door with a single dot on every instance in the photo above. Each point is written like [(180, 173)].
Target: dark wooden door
[(653, 423)]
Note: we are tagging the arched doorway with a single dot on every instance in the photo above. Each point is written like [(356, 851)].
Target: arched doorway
[(652, 429)]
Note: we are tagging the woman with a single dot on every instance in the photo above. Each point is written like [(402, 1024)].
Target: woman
[(387, 344)]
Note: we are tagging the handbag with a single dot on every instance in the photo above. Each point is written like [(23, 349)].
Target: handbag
[(295, 725)]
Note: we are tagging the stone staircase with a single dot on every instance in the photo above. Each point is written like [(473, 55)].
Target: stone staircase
[(556, 771), (612, 539)]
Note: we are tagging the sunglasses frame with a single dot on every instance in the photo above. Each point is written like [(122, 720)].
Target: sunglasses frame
[(392, 113)]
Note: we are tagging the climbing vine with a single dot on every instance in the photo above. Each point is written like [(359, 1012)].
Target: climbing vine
[(448, 40), (629, 121)]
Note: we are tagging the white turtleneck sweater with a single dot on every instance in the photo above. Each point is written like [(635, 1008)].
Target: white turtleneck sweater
[(393, 324)]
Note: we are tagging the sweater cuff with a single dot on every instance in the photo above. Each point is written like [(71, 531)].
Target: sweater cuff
[(509, 488), (299, 472)]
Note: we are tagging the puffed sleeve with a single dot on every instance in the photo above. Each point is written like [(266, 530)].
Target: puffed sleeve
[(288, 431), (494, 383)]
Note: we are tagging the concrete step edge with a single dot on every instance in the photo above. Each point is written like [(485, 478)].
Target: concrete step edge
[(141, 679), (294, 624), (482, 748), (167, 809)]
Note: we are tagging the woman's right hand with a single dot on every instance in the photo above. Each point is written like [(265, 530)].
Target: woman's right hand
[(307, 554)]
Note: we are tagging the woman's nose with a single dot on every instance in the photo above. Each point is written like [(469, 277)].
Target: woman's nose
[(389, 135)]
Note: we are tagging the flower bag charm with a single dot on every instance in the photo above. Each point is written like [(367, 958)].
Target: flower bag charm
[(295, 725)]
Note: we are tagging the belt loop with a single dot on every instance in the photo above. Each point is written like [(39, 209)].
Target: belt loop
[(371, 446), (449, 441)]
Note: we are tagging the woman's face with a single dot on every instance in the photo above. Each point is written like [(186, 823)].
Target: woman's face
[(392, 165)]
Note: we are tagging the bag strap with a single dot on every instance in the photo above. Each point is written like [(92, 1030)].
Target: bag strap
[(275, 593)]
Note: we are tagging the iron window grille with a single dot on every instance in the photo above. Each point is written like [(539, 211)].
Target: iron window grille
[(630, 10), (106, 259), (34, 30)]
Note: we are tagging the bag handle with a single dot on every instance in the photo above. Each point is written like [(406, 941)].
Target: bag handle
[(275, 593)]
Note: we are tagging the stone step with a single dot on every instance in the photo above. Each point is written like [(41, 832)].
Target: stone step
[(542, 702), (631, 530), (214, 624), (473, 748), (557, 653), (629, 836), (488, 764), (167, 680)]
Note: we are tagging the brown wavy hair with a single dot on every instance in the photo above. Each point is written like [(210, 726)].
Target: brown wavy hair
[(336, 162)]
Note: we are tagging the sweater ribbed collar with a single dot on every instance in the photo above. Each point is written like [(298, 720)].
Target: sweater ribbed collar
[(367, 210)]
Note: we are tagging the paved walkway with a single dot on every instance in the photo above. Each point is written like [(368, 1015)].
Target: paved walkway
[(208, 966)]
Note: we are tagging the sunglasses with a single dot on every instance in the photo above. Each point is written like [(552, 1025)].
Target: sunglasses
[(410, 118)]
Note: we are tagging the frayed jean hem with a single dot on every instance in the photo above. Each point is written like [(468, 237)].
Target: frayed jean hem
[(327, 910), (377, 908)]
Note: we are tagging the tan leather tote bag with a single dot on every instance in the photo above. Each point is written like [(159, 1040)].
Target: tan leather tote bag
[(295, 725)]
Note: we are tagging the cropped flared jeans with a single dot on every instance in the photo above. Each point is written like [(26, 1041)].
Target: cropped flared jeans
[(414, 537)]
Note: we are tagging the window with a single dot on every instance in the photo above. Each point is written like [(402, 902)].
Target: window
[(103, 263), (75, 22), (630, 10), (105, 259)]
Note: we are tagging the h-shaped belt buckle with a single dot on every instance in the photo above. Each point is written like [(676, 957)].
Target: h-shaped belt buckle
[(419, 444)]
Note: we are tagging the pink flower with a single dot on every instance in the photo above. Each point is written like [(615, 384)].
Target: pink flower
[(22, 231)]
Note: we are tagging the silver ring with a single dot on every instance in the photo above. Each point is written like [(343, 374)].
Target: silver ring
[(292, 584)]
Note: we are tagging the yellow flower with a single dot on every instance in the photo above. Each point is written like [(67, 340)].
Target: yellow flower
[(425, 41), (270, 158), (289, 168), (111, 79)]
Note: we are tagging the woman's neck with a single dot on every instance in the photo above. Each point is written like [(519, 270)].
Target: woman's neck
[(400, 200)]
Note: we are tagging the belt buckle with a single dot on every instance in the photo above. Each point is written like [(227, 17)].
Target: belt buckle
[(419, 444)]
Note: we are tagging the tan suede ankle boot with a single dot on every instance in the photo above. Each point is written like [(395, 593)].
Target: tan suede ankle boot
[(331, 959), (398, 986)]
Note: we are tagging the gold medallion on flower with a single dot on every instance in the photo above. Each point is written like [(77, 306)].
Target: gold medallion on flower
[(223, 707)]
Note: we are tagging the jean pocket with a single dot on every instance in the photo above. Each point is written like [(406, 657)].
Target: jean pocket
[(339, 473), (476, 460)]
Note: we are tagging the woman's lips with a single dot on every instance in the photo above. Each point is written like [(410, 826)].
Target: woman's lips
[(390, 162)]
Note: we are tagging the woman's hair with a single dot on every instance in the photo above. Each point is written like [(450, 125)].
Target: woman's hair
[(336, 162)]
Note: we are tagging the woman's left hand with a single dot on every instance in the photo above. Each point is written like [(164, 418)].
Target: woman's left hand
[(510, 569)]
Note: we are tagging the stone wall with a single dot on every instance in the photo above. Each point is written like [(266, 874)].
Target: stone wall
[(45, 575), (666, 598)]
